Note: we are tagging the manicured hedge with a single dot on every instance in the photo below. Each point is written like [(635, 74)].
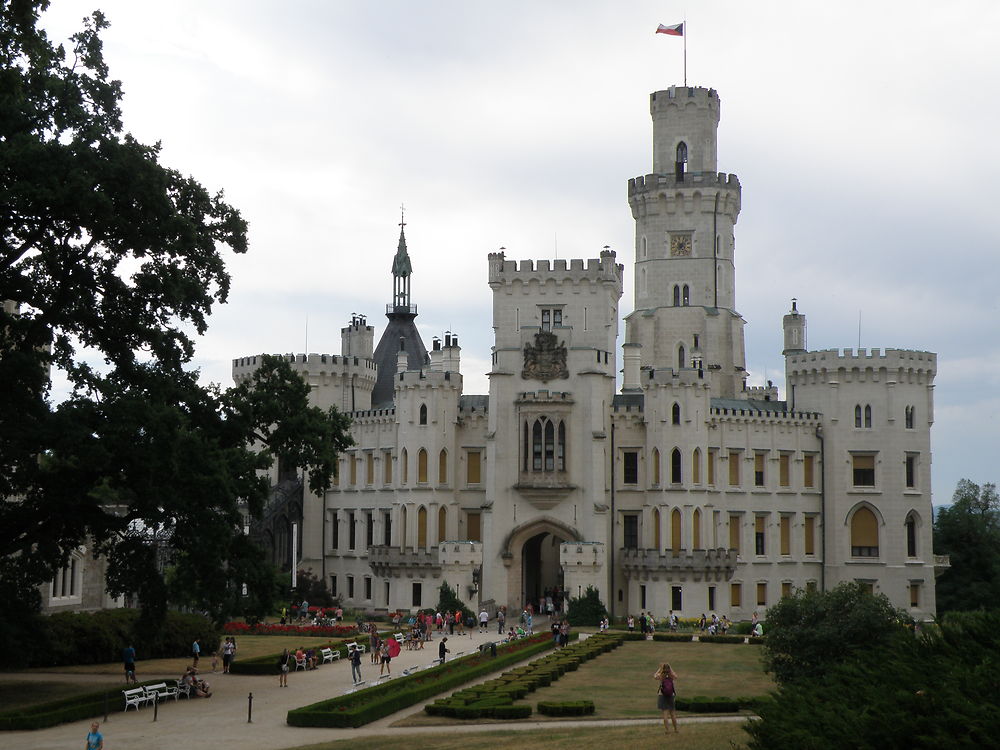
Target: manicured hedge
[(673, 637), (722, 638), (701, 704), (566, 708), (98, 637), (330, 631), (373, 703), (262, 665), (73, 708)]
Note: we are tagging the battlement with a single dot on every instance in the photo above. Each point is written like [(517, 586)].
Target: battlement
[(863, 359), (460, 553), (655, 182), (595, 270), (752, 412), (544, 396), (320, 364), (669, 377), (373, 416), (589, 554), (429, 379)]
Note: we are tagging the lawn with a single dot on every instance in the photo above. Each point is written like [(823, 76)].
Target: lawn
[(704, 736), (621, 682), (16, 694), (249, 647)]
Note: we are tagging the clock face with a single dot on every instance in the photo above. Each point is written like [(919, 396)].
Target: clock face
[(680, 245)]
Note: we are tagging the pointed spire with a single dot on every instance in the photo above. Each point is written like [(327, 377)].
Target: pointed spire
[(401, 263)]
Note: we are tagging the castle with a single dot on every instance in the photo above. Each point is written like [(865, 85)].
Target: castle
[(687, 490)]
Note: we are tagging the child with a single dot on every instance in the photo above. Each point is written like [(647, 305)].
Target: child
[(215, 661)]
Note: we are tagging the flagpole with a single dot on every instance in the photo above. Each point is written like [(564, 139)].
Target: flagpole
[(685, 35)]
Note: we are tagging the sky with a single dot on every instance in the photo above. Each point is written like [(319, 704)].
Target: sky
[(863, 134)]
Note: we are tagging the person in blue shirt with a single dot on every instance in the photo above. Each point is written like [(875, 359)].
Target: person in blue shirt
[(95, 740), (195, 651), (128, 658)]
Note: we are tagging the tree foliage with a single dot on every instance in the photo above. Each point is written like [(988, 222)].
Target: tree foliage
[(587, 609), (448, 601), (969, 533), (939, 689), (809, 631), (116, 263)]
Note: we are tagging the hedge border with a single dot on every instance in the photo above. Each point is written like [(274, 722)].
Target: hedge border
[(65, 710), (370, 704), (268, 664)]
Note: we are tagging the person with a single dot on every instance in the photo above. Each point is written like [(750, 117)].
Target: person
[(758, 630), (312, 661), (355, 657), (555, 632), (304, 610), (284, 615), (283, 665), (197, 688), (702, 623), (484, 619), (642, 622), (501, 619), (631, 624), (666, 694), (95, 740), (385, 657), (215, 661), (128, 657), (442, 649), (195, 651), (373, 644), (228, 649)]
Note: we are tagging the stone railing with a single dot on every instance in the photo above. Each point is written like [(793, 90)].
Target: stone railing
[(700, 564), (392, 560), (941, 564)]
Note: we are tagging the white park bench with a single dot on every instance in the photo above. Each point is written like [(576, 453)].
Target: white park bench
[(359, 646), (301, 663), (329, 655), (160, 692), (135, 697)]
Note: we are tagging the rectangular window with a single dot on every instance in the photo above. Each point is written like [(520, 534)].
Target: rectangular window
[(387, 529), (758, 469), (387, 593), (911, 471), (864, 470), (810, 534), (642, 595), (761, 594), (473, 527), (333, 586), (546, 319), (759, 537), (631, 527), (914, 594), (911, 537), (417, 594), (734, 533), (369, 533), (351, 533), (630, 467), (369, 469), (786, 588), (784, 460), (387, 467), (736, 595), (810, 586), (354, 470), (350, 587), (335, 531), (867, 586), (676, 599), (368, 587), (711, 598), (336, 474), (734, 468), (473, 469), (711, 468), (808, 470), (785, 528)]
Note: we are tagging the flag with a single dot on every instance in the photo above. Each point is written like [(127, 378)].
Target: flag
[(676, 30)]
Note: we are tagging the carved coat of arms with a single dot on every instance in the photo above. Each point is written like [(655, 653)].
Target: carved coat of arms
[(546, 360)]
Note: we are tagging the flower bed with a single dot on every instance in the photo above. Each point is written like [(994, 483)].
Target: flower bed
[(373, 703), (328, 631)]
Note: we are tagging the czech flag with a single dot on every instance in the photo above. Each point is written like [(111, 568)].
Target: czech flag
[(676, 30)]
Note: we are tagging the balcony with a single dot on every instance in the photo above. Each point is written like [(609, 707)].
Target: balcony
[(545, 489), (941, 564), (679, 565), (392, 561)]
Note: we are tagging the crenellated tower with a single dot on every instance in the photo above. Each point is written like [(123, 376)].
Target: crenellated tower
[(685, 282)]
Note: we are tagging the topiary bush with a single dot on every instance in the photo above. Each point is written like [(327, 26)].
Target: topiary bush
[(586, 610), (566, 708)]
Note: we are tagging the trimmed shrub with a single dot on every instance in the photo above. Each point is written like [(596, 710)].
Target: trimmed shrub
[(73, 708), (566, 708), (673, 637), (516, 711), (721, 638), (701, 704)]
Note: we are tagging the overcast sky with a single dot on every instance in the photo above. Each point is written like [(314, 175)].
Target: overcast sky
[(864, 136)]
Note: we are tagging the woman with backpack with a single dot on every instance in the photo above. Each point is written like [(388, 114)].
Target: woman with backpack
[(666, 694)]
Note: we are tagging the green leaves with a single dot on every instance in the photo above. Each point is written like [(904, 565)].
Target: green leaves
[(969, 533)]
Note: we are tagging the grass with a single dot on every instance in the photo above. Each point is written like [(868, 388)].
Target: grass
[(249, 646), (17, 694), (704, 736), (621, 685)]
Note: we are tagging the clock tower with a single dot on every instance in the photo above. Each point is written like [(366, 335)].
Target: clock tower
[(685, 293)]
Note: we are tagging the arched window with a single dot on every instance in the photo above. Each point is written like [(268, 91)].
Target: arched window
[(442, 524), (868, 415), (908, 417), (422, 527), (680, 161), (675, 466), (677, 296), (685, 296), (642, 281), (696, 466), (681, 357), (644, 246), (696, 529), (656, 466), (675, 530), (525, 450), (675, 413), (561, 447), (857, 415), (422, 466), (656, 528), (443, 467), (423, 413), (546, 445), (404, 465), (911, 535), (864, 533), (402, 526)]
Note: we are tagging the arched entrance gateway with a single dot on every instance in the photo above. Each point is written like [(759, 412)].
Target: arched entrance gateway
[(531, 554)]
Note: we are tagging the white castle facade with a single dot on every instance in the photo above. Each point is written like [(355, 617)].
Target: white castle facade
[(685, 490)]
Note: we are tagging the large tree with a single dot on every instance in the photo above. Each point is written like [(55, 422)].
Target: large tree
[(968, 531), (116, 262)]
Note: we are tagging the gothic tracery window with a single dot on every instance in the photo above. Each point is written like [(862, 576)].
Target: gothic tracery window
[(544, 445)]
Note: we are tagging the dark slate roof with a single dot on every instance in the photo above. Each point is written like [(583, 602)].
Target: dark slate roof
[(401, 263), (628, 400), (474, 402), (400, 326), (749, 404)]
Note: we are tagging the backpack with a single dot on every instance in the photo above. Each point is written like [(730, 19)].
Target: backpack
[(667, 687)]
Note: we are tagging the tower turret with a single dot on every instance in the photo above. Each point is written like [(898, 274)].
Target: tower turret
[(794, 325)]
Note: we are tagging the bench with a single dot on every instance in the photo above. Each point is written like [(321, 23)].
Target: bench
[(352, 646), (159, 692), (135, 697), (182, 689), (400, 638), (329, 655), (383, 678), (300, 663)]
